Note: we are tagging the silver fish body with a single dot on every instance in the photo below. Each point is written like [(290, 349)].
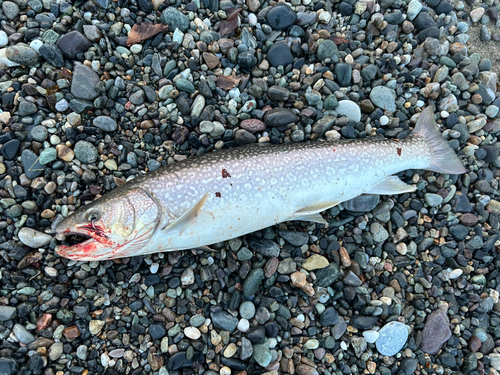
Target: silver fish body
[(223, 195)]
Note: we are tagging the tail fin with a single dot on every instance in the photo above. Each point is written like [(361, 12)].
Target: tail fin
[(444, 158)]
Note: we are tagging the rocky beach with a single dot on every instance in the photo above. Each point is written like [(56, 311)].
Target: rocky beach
[(95, 93)]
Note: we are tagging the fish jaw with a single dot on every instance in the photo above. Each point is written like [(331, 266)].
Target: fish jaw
[(98, 247)]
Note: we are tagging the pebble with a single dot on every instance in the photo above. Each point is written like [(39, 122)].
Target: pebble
[(349, 109), (105, 123), (224, 321), (22, 334), (436, 331), (33, 238), (392, 338), (383, 98), (192, 332), (315, 262), (281, 17)]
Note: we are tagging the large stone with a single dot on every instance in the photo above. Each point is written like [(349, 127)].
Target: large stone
[(279, 117), (349, 109), (175, 19), (73, 43), (436, 331), (84, 82), (279, 54), (383, 97), (22, 54), (281, 16)]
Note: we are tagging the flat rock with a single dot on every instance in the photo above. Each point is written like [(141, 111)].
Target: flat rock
[(349, 109), (84, 82), (392, 338), (383, 97), (175, 19), (436, 331), (73, 43), (281, 16), (33, 238), (279, 116), (279, 54), (22, 54)]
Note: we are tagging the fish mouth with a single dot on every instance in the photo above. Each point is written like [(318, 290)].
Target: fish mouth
[(85, 243)]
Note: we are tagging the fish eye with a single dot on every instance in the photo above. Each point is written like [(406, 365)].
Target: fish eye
[(93, 216)]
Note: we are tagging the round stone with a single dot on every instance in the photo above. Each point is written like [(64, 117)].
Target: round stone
[(86, 152), (392, 338)]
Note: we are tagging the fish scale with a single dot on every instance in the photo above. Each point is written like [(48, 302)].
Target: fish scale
[(226, 194)]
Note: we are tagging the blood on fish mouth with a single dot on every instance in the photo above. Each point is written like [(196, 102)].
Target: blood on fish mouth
[(87, 239)]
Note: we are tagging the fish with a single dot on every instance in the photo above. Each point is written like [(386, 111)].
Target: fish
[(229, 193)]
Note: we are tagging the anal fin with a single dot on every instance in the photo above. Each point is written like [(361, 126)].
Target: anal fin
[(187, 217), (311, 213), (391, 185), (315, 218)]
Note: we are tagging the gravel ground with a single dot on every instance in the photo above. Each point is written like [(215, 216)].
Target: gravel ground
[(95, 93)]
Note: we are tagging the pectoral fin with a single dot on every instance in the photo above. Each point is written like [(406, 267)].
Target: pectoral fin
[(311, 213), (391, 185), (187, 217)]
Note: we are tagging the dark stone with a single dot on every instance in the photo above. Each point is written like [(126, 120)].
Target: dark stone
[(444, 7), (36, 363), (281, 16), (73, 43), (431, 32), (423, 21), (10, 149), (329, 317), (491, 153), (345, 9), (244, 137), (52, 54), (272, 329), (179, 360), (279, 116), (224, 321), (327, 276), (343, 72), (279, 54), (256, 334), (363, 322), (234, 363), (8, 366), (407, 366), (247, 60), (157, 331)]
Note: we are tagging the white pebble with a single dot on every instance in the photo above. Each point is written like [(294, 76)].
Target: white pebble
[(252, 19), (384, 120), (4, 39), (136, 48), (192, 332), (370, 336), (243, 325), (33, 238), (456, 273), (154, 267), (36, 44)]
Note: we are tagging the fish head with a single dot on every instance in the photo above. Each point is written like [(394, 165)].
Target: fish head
[(115, 226)]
